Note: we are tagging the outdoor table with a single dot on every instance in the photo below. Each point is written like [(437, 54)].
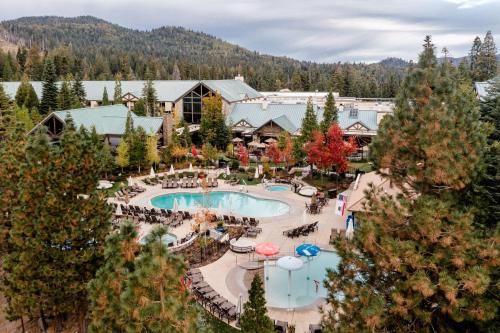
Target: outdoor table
[(206, 289), (196, 279), (226, 306), (200, 284), (211, 295), (219, 300)]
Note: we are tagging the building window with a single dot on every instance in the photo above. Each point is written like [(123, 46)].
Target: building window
[(192, 104)]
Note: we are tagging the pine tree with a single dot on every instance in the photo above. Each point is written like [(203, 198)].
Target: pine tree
[(176, 73), (58, 230), (137, 148), (117, 95), (48, 102), (140, 107), (186, 136), (149, 95), (338, 81), (78, 90), (416, 264), (7, 72), (65, 98), (123, 154), (129, 127), (254, 318), (155, 299), (7, 117), (330, 113), (34, 65), (309, 123), (213, 128), (296, 81), (486, 63), (26, 95), (105, 99), (106, 313)]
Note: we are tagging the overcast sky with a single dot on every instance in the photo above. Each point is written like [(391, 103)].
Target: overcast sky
[(318, 30)]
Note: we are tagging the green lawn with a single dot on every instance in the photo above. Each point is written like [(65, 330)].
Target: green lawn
[(362, 166)]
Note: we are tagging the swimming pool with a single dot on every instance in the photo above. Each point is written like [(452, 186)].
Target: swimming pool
[(167, 239), (277, 188), (303, 290), (230, 202)]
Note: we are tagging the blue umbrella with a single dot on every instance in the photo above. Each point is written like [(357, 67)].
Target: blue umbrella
[(309, 251)]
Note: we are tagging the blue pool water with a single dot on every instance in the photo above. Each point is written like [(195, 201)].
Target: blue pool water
[(277, 188), (303, 290), (230, 202)]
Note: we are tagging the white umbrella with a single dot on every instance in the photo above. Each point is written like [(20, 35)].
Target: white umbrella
[(175, 205), (152, 173), (256, 173), (228, 172), (172, 171), (118, 211), (290, 264), (130, 181), (350, 231), (190, 167)]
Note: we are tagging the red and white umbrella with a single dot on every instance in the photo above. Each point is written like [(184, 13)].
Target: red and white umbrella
[(267, 249)]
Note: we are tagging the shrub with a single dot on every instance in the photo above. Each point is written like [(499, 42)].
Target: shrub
[(235, 164), (251, 170), (241, 169)]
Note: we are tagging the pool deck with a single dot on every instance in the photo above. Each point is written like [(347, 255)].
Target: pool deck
[(226, 277)]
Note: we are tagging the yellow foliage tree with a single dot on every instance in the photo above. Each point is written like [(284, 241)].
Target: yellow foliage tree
[(152, 155)]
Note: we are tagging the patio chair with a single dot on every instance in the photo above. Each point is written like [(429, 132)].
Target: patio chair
[(245, 221), (226, 218), (280, 326), (254, 222)]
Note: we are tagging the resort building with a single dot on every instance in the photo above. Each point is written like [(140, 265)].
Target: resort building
[(108, 121), (259, 121), (483, 87), (183, 98)]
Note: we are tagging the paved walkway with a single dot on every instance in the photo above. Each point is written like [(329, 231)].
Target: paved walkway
[(226, 277)]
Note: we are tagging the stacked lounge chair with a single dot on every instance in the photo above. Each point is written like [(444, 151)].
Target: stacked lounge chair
[(303, 230)]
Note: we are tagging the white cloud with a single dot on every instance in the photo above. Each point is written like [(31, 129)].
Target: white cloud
[(465, 4)]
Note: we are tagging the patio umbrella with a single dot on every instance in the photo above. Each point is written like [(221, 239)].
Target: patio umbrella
[(228, 172), (152, 173), (308, 251), (256, 144), (290, 264), (175, 206), (172, 171), (190, 167), (118, 211), (267, 249), (256, 173), (271, 140), (350, 230), (130, 181), (236, 140)]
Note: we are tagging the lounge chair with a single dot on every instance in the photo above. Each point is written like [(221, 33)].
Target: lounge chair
[(280, 326)]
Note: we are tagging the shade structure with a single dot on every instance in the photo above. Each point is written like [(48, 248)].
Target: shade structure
[(256, 173), (349, 233), (172, 171), (190, 167), (236, 140), (256, 144), (290, 264), (152, 172), (267, 249), (118, 211), (228, 172), (175, 206), (271, 140), (130, 181), (307, 250)]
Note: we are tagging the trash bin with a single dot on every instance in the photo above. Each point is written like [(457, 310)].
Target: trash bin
[(332, 193)]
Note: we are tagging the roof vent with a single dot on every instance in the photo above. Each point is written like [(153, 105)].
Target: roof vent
[(265, 103), (239, 78)]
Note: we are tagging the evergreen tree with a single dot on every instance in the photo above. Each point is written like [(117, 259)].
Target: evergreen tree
[(78, 90), (48, 102), (26, 95), (155, 299), (7, 72), (338, 81), (149, 95), (486, 63), (105, 99), (105, 310), (330, 113), (176, 73), (254, 318), (7, 117), (309, 123), (140, 107), (129, 127), (137, 148), (122, 154), (416, 263), (34, 65), (65, 98), (186, 136), (117, 95), (213, 128), (57, 231)]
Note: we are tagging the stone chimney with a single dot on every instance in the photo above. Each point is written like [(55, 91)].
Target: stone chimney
[(239, 78), (168, 127)]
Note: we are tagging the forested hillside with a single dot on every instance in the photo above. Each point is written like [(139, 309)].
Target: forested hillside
[(97, 50)]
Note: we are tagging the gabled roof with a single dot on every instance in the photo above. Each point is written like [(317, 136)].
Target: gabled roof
[(109, 119), (289, 116), (356, 197), (166, 90), (483, 87)]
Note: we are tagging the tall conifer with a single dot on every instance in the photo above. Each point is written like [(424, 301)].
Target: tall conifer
[(330, 113), (254, 318), (48, 102)]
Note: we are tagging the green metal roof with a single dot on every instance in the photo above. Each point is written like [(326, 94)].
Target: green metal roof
[(289, 116), (109, 119), (166, 90)]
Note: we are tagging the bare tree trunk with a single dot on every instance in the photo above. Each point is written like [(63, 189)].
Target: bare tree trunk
[(43, 322), (22, 324)]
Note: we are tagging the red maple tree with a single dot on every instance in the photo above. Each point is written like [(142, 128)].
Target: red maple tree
[(243, 155), (330, 150), (274, 153), (194, 151)]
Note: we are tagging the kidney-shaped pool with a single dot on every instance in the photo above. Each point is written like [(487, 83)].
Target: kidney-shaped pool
[(229, 202)]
